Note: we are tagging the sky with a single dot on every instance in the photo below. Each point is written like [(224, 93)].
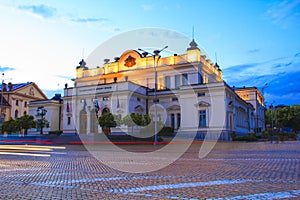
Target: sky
[(255, 43)]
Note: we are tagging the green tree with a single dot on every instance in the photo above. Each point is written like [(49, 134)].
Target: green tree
[(129, 121), (9, 126), (288, 116), (25, 122), (107, 121)]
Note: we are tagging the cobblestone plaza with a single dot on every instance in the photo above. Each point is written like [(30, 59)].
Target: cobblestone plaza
[(231, 171)]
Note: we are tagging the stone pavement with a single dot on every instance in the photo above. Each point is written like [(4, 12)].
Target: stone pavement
[(230, 171)]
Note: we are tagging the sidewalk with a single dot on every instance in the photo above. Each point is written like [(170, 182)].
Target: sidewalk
[(69, 139)]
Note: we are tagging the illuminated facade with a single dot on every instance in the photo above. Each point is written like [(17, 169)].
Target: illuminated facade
[(15, 98), (191, 94)]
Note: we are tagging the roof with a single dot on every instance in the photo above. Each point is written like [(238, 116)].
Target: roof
[(15, 86)]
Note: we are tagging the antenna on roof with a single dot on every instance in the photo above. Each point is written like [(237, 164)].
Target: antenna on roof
[(82, 53), (193, 32), (216, 57)]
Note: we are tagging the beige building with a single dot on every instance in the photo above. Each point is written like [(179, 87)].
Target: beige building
[(52, 113), (15, 98), (253, 96), (191, 95)]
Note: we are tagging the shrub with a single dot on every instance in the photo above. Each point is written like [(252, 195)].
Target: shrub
[(265, 135), (56, 132), (247, 138), (166, 131), (293, 136), (233, 135)]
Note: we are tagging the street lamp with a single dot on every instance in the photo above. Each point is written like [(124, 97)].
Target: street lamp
[(155, 62), (2, 88), (41, 111)]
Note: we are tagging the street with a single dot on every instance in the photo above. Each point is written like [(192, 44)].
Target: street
[(231, 171)]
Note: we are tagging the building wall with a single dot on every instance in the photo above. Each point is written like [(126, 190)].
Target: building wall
[(204, 105)]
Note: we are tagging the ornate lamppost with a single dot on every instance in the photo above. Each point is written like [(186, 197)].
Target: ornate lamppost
[(41, 111), (156, 58)]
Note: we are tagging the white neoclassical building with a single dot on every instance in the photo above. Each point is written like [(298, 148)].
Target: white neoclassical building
[(191, 95)]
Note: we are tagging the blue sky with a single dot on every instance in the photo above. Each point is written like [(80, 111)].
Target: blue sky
[(256, 42)]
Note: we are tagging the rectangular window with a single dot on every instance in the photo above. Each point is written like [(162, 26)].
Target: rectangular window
[(201, 94), (177, 81), (178, 120), (174, 99), (105, 98), (17, 102), (184, 79), (25, 104), (199, 78), (202, 118), (173, 120), (69, 120), (167, 82)]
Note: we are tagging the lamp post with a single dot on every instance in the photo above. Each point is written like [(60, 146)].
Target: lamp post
[(155, 62), (2, 113), (41, 111)]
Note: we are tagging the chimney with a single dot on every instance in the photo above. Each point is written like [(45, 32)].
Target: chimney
[(10, 86)]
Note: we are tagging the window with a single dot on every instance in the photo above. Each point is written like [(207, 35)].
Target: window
[(167, 82), (178, 120), (174, 99), (69, 120), (17, 102), (201, 94), (173, 120), (202, 118), (177, 81), (184, 79), (25, 104), (16, 113), (105, 98), (25, 113), (138, 99), (199, 78)]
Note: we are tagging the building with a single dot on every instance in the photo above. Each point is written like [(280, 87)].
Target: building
[(15, 98), (189, 91), (253, 96), (52, 113)]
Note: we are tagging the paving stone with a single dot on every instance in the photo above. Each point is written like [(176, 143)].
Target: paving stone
[(230, 170)]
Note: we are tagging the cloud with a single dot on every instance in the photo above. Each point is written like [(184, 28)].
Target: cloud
[(64, 77), (40, 10), (87, 20), (284, 13), (253, 50), (281, 74), (5, 69)]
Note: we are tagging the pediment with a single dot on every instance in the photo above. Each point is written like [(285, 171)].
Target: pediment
[(201, 104), (129, 60), (173, 107)]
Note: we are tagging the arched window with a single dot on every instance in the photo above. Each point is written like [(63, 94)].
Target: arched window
[(16, 113), (25, 113)]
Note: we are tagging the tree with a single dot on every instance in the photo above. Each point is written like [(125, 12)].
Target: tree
[(134, 119), (9, 126), (106, 121), (25, 122), (129, 121), (288, 116)]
